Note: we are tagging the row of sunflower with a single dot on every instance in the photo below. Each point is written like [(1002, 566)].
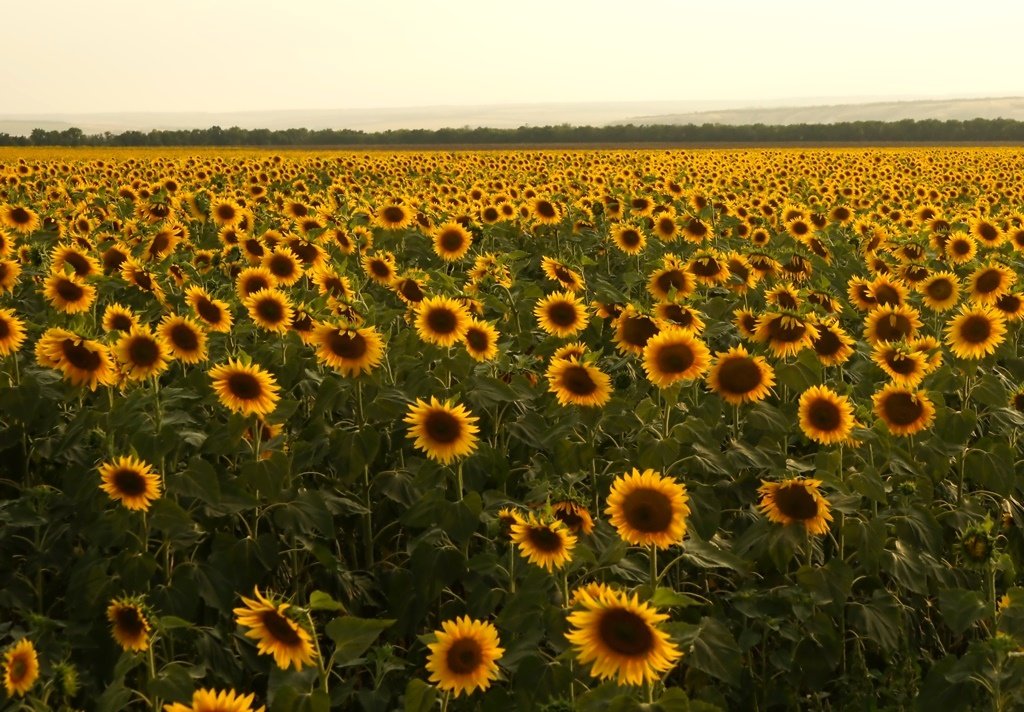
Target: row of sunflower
[(511, 430)]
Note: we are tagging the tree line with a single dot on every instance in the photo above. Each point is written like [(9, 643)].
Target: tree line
[(907, 130)]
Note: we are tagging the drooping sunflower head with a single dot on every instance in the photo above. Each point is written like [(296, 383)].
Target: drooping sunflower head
[(21, 668), (739, 377), (546, 543), (445, 432), (621, 637), (832, 346), (276, 632), (825, 416), (129, 624), (130, 481), (246, 389), (464, 656), (796, 501), (573, 515), (648, 508)]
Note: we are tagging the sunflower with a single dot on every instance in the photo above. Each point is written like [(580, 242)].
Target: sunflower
[(275, 631), (573, 350), (12, 332), (570, 280), (573, 515), (442, 321), (671, 279), (666, 227), (481, 340), (225, 212), (68, 294), (904, 365), (739, 377), (786, 334), (903, 410), (213, 312), (270, 309), (960, 248), (81, 264), (393, 217), (891, 323), (252, 279), (20, 219), (141, 354), (630, 239), (9, 272), (83, 362), (130, 626), (380, 267), (349, 351), (986, 232), (620, 635), (209, 700), (825, 416), (130, 481), (284, 265), (185, 339), (940, 291), (990, 282), (117, 317), (680, 315), (246, 389), (544, 212), (547, 544), (411, 287), (451, 241), (577, 383), (887, 291), (561, 314), (1011, 305), (464, 655), (796, 501), (648, 509), (976, 331), (675, 355), (832, 345), (21, 668), (633, 330), (445, 432)]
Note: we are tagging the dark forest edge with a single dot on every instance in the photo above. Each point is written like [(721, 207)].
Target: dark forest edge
[(908, 130)]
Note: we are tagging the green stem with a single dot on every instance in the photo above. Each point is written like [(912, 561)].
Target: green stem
[(654, 568), (152, 676), (321, 668), (368, 519), (458, 482)]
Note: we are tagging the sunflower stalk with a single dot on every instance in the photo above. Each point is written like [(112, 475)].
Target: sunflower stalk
[(322, 668)]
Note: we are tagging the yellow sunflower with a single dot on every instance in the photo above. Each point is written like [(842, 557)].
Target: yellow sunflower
[(825, 416), (547, 544), (21, 668), (903, 364), (620, 635), (443, 431), (12, 332), (19, 218), (141, 354), (185, 339), (131, 482), (284, 265), (214, 313), (903, 410), (990, 282), (451, 241), (786, 334), (442, 321), (83, 362), (208, 700), (561, 314), (739, 377), (648, 509), (10, 270), (940, 291), (832, 346), (117, 317), (464, 655), (253, 279), (481, 340), (245, 389), (556, 271), (276, 632), (675, 355), (671, 279), (578, 383), (270, 309), (348, 351), (630, 239), (891, 323), (633, 330), (573, 515), (68, 294), (129, 624), (796, 501), (393, 216), (976, 331)]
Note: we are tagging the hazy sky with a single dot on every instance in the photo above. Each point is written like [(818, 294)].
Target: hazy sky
[(64, 56)]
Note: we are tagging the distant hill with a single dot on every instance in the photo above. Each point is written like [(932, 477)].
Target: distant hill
[(942, 110)]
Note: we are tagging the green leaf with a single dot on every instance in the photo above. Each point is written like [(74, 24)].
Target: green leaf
[(172, 622), (667, 598), (419, 696), (322, 601), (352, 636), (716, 652), (961, 608)]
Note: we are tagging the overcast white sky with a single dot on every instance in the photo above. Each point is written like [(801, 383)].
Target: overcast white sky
[(64, 56)]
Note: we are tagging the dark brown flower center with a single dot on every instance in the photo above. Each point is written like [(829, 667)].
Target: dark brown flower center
[(129, 622), (184, 337), (824, 415), (254, 247), (143, 351), (988, 281), (577, 380), (901, 408), (281, 629), (796, 502), (442, 321), (638, 330), (270, 310), (887, 294), (987, 232), (893, 327), (625, 633), (209, 311), (674, 358), (381, 268), (477, 340), (393, 215), (562, 314), (464, 657), (786, 330), (351, 346), (670, 278), (544, 539), (69, 291), (706, 267), (648, 511), (281, 266), (129, 482), (79, 263), (976, 329), (629, 238), (545, 209), (939, 289), (244, 386), (442, 427), (828, 342), (739, 375), (451, 240), (80, 356)]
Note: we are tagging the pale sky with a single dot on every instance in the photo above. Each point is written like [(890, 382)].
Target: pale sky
[(66, 56)]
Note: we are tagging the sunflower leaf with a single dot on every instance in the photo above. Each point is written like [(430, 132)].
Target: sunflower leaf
[(352, 636)]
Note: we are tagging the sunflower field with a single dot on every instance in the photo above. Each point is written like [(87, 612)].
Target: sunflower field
[(512, 430)]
